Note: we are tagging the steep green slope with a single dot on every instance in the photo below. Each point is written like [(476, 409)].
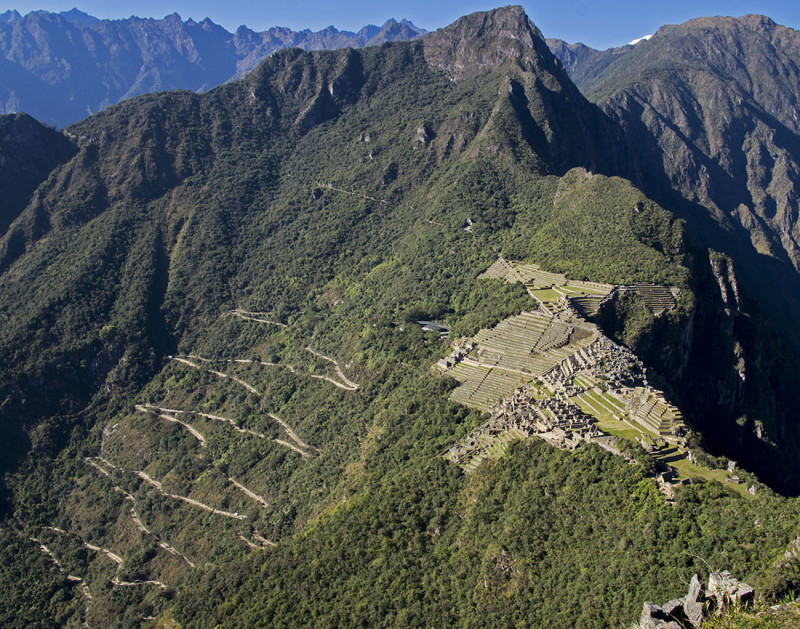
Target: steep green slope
[(538, 538), (29, 151), (219, 390)]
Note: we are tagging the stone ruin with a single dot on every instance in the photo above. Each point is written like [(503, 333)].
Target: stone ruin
[(608, 377), (688, 612), (556, 420), (616, 365)]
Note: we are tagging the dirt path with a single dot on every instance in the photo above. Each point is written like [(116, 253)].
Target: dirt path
[(103, 471), (55, 529), (335, 383), (109, 463), (263, 540), (47, 552), (152, 411), (118, 560), (251, 494), (186, 362), (257, 537), (286, 428), (135, 516), (144, 476), (247, 386), (291, 446), (245, 361), (111, 555), (292, 434), (249, 543), (233, 424), (141, 526), (355, 194), (91, 461), (253, 316), (84, 588), (345, 384), (70, 577), (353, 386), (119, 583)]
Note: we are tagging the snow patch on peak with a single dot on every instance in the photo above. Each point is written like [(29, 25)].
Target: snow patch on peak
[(636, 41)]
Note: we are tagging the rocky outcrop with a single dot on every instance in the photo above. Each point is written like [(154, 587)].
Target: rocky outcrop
[(688, 612)]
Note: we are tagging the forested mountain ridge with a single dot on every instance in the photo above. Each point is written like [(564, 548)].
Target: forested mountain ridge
[(62, 67), (220, 403)]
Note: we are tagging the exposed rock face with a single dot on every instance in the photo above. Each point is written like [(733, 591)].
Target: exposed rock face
[(688, 612), (583, 63), (722, 268), (554, 118), (718, 137), (480, 41)]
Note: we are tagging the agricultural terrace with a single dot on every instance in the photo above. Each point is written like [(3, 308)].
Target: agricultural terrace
[(549, 373), (555, 291)]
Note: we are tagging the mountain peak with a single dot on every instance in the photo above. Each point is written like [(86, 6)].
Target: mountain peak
[(76, 15), (486, 39), (12, 15)]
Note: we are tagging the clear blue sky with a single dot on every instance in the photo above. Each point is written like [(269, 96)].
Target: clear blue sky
[(598, 23)]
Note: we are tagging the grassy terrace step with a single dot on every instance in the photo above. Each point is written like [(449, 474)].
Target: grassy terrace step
[(498, 270), (618, 404), (604, 402), (585, 402), (602, 290), (584, 381)]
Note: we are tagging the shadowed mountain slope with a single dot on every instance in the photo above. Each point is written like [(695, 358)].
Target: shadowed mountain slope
[(712, 107), (29, 151), (222, 403)]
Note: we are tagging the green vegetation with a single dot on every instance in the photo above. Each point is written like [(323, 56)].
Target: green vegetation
[(538, 537), (785, 615), (308, 193)]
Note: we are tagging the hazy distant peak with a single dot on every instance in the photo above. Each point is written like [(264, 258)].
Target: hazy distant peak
[(61, 66), (76, 15), (10, 16)]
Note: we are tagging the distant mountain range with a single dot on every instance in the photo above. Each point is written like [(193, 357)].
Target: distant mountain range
[(217, 407), (63, 67)]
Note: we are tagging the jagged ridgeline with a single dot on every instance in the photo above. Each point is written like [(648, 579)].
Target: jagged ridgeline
[(217, 399), (62, 67)]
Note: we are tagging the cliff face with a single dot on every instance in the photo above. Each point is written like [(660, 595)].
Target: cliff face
[(711, 107), (209, 352), (731, 373), (553, 117)]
